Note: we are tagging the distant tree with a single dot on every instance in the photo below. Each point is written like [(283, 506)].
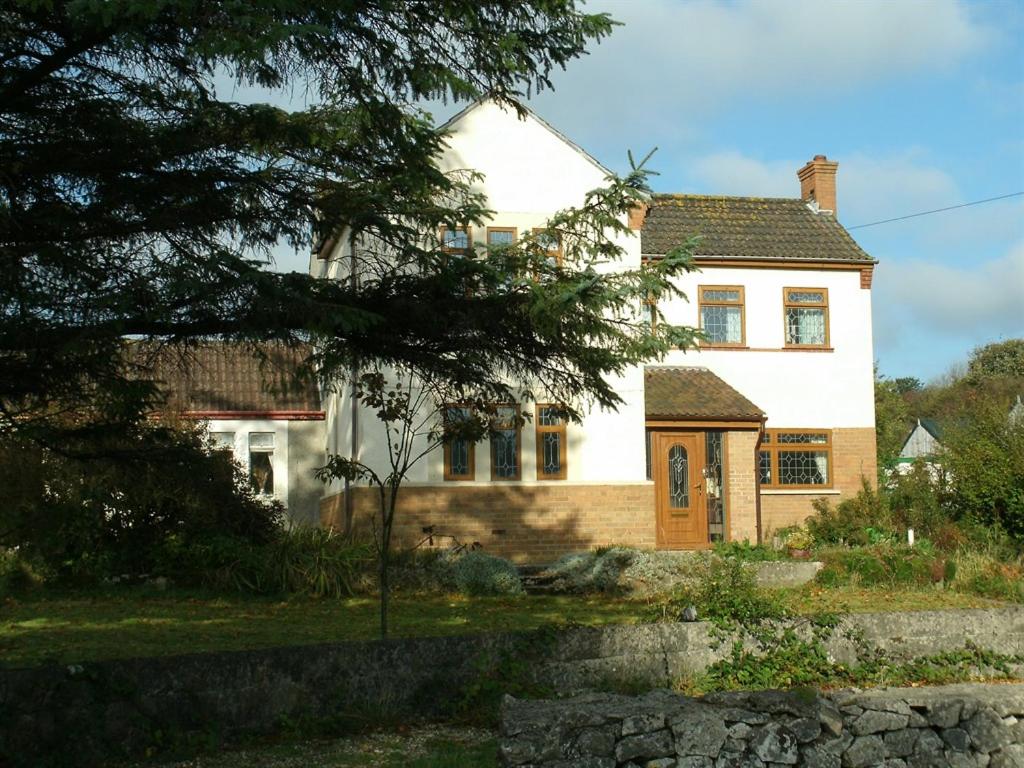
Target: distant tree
[(892, 421), (1004, 358), (984, 456), (906, 384)]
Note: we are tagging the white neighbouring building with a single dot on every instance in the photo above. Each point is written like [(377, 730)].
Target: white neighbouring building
[(727, 442)]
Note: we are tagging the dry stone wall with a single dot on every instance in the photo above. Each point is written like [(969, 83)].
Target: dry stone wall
[(954, 726)]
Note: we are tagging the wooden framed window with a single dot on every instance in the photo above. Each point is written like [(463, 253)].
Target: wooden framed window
[(795, 458), (457, 240), (501, 236), (722, 315), (261, 462), (650, 311), (459, 453), (806, 317), (506, 444), (551, 443), (551, 242)]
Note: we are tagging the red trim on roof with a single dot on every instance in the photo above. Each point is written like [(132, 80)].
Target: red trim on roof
[(270, 415)]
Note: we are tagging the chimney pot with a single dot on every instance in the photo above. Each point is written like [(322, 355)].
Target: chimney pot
[(818, 183)]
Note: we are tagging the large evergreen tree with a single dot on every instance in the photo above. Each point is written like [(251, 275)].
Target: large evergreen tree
[(137, 201)]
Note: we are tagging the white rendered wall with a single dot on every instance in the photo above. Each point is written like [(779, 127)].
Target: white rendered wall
[(814, 389), (241, 429), (529, 173)]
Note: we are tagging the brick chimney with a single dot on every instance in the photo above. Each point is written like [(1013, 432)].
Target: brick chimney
[(818, 183)]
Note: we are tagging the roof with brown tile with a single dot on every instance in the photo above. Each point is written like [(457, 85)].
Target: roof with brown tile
[(771, 228), (680, 392), (226, 377)]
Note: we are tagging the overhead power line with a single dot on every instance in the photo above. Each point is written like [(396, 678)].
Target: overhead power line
[(937, 210)]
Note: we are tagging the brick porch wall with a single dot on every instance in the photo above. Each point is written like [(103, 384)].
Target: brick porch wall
[(741, 485), (853, 457), (524, 523)]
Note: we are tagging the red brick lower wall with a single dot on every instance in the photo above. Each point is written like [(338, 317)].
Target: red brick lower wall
[(529, 523), (539, 523), (854, 459)]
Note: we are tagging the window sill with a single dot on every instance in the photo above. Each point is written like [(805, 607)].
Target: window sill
[(799, 492)]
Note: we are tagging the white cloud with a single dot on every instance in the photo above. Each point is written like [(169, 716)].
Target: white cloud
[(975, 301), (698, 56)]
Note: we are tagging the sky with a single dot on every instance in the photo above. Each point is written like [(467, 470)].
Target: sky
[(921, 103)]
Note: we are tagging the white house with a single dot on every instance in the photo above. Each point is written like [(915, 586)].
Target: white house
[(727, 442)]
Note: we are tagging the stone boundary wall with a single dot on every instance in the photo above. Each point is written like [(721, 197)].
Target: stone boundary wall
[(125, 706), (948, 726)]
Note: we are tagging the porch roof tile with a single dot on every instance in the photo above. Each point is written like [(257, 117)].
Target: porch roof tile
[(684, 392), (231, 377)]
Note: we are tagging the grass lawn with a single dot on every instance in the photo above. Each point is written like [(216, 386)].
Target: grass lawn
[(429, 747), (93, 626), (124, 623)]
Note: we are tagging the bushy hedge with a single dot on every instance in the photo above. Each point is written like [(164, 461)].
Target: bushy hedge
[(479, 574), (111, 507)]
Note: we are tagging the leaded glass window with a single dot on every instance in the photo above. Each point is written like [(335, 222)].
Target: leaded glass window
[(715, 483), (678, 478), (456, 240), (505, 443), (458, 451), (551, 443), (795, 459), (501, 236), (551, 242), (721, 314), (803, 468), (806, 317), (764, 467)]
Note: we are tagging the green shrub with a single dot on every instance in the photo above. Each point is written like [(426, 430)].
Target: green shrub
[(113, 508), (985, 459), (478, 574), (747, 552), (848, 522), (726, 592), (17, 574), (882, 565), (302, 560), (981, 573)]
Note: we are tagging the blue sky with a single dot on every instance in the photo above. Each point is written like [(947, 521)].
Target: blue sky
[(922, 104)]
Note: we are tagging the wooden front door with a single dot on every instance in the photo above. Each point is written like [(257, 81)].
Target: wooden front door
[(678, 471)]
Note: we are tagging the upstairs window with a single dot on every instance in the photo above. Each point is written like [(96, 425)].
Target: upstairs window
[(459, 453), (261, 462), (806, 317), (506, 444), (551, 444), (501, 236), (794, 459), (722, 315), (551, 242), (458, 240)]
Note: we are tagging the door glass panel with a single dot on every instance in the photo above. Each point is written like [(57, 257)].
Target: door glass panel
[(678, 478), (714, 479)]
